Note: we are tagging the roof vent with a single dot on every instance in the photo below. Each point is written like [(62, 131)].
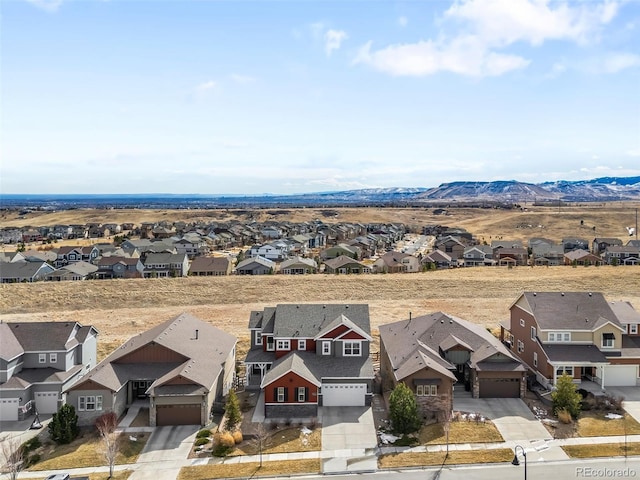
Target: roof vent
[(589, 293), (534, 294), (442, 320), (562, 294)]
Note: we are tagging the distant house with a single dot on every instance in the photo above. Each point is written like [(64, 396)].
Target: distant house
[(23, 271), (397, 262), (72, 254), (166, 265), (440, 259), (119, 267), (192, 246), (451, 245), (547, 254), (344, 265), (572, 243), (478, 255), (180, 367), (210, 266), (600, 244), (298, 266), (39, 361), (340, 250), (274, 252), (581, 257), (74, 272), (255, 266), (505, 256), (622, 255)]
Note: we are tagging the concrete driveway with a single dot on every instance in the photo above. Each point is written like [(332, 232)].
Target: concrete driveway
[(511, 416), (631, 399), (166, 446), (349, 438)]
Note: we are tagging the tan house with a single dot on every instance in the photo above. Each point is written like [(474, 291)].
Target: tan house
[(579, 333), (210, 266), (397, 262)]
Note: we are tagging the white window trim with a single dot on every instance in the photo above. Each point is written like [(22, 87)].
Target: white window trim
[(535, 359), (301, 394), (522, 322), (302, 344), (42, 358), (280, 395), (533, 333), (634, 328), (282, 344), (520, 346), (613, 342), (353, 344), (326, 347), (564, 368), (85, 401), (271, 344), (258, 337), (420, 390), (53, 358)]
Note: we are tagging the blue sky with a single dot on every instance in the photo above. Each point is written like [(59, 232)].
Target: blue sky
[(213, 97)]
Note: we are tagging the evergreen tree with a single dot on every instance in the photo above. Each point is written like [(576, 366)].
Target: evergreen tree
[(566, 396), (64, 425), (232, 411), (403, 410)]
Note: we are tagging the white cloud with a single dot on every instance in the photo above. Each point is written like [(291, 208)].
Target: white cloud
[(482, 29), (333, 40), (403, 21), (464, 56), (242, 79), (205, 86), (620, 61), (47, 5)]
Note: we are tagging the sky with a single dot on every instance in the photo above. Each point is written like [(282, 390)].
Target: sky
[(242, 97)]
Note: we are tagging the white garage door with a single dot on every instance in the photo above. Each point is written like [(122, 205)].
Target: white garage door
[(8, 409), (47, 402), (620, 375), (346, 395)]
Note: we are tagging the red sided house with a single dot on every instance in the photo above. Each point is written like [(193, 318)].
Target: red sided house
[(306, 356), (579, 333)]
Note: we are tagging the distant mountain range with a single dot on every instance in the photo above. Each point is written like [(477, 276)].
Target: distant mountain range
[(472, 193)]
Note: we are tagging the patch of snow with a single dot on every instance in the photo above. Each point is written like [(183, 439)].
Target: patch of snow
[(613, 416), (133, 439), (387, 438), (305, 431)]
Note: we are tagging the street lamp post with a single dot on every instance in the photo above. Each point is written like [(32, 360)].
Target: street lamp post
[(515, 460)]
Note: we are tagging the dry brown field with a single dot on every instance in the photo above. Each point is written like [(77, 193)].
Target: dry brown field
[(122, 308)]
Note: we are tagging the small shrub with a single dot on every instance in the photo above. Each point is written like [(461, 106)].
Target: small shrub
[(224, 438), (204, 433), (32, 460), (32, 444), (615, 402), (201, 441), (274, 426), (221, 451), (313, 423), (564, 416), (405, 441), (237, 436)]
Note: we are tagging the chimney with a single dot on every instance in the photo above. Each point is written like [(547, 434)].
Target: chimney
[(196, 334)]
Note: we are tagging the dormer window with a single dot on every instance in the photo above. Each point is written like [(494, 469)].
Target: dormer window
[(302, 344), (283, 345), (270, 344), (351, 349), (608, 340), (258, 338)]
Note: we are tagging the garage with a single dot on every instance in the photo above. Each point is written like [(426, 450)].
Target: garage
[(620, 375), (344, 395), (187, 414), (499, 387), (8, 409), (46, 402)]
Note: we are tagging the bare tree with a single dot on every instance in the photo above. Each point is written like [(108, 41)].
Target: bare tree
[(261, 440), (12, 453), (106, 425)]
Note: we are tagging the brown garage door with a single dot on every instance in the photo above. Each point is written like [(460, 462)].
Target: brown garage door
[(178, 414), (499, 388)]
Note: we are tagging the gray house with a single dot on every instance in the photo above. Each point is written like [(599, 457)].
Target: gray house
[(23, 271), (38, 361)]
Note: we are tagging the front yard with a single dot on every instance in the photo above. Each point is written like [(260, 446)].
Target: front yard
[(402, 460), (250, 470), (460, 432)]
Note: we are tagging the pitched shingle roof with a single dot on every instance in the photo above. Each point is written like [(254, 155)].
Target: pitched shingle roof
[(307, 320)]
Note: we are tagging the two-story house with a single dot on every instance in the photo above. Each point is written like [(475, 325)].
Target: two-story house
[(119, 267), (166, 265), (306, 356), (73, 254), (397, 262), (274, 252), (38, 361), (622, 255), (579, 333), (478, 255)]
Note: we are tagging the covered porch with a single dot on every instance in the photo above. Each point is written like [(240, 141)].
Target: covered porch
[(257, 364)]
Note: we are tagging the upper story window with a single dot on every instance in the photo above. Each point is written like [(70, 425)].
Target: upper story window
[(351, 349), (520, 346), (533, 333), (53, 358), (302, 344), (280, 394), (270, 344), (42, 358), (326, 348), (633, 328), (522, 322), (559, 336), (608, 340), (258, 338), (283, 345)]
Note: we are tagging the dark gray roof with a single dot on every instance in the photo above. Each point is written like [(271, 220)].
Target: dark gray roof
[(570, 310), (630, 346), (45, 336), (210, 264), (625, 312), (307, 320), (574, 353), (23, 269), (10, 347)]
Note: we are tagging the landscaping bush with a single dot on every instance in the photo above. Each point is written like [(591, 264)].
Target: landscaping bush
[(403, 410), (405, 441), (224, 438), (63, 427), (204, 433), (201, 441), (565, 396), (564, 416), (31, 444), (32, 460), (237, 436)]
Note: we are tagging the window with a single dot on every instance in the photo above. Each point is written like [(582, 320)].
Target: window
[(535, 359), (302, 344), (42, 358), (302, 394), (608, 340), (280, 394), (351, 349), (520, 346), (420, 390), (433, 390), (559, 336), (634, 328), (53, 358), (90, 403), (521, 322), (533, 333), (564, 369), (283, 344), (326, 348), (270, 344), (258, 338)]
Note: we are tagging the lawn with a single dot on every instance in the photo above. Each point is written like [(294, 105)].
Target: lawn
[(249, 470), (84, 451), (460, 432), (596, 425), (601, 450), (284, 441), (401, 460)]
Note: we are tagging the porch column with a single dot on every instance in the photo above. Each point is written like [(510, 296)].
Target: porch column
[(555, 372), (602, 371)]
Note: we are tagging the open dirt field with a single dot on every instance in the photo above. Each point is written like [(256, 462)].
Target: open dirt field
[(122, 308), (610, 219)]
